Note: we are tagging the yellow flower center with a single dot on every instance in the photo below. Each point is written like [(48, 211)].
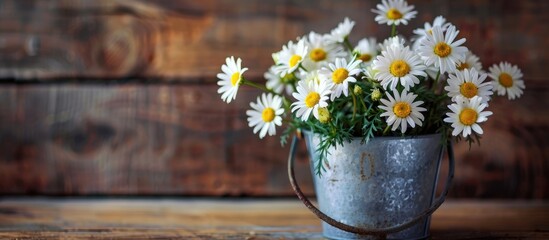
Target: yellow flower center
[(402, 109), (317, 55), (339, 75), (463, 66), (394, 14), (505, 80), (235, 78), (468, 116), (365, 57), (442, 49), (268, 114), (312, 99), (294, 60), (399, 68), (468, 89)]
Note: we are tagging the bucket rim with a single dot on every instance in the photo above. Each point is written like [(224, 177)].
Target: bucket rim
[(421, 136)]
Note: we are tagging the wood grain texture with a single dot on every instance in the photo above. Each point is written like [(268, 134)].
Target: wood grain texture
[(188, 40), (81, 139), (135, 139), (242, 219)]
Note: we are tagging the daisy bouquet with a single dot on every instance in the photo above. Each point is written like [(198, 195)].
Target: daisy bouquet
[(430, 83)]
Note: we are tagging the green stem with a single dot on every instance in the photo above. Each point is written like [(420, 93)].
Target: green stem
[(363, 104), (354, 105), (347, 44), (393, 30), (333, 128), (386, 129), (301, 66), (260, 87), (435, 83), (286, 104)]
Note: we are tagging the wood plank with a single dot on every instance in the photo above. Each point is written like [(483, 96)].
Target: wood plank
[(188, 40), (243, 219), (135, 139)]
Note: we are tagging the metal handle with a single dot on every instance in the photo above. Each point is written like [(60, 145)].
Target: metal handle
[(368, 231)]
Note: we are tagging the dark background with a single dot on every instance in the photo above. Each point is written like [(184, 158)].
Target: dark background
[(119, 97)]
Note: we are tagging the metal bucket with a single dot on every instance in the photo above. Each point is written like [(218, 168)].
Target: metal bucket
[(382, 189)]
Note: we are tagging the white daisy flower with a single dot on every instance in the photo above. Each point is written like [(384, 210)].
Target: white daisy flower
[(230, 78), (366, 50), (313, 76), (278, 84), (466, 115), (428, 30), (469, 84), (507, 80), (471, 62), (310, 96), (441, 50), (341, 74), (394, 12), (396, 65), (342, 31), (428, 27), (291, 57), (392, 41), (265, 114), (321, 52), (402, 111)]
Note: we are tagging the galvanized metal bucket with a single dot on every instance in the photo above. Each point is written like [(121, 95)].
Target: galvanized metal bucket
[(382, 189)]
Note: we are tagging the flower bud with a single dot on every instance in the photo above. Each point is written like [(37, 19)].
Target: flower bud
[(376, 94), (357, 90), (324, 115)]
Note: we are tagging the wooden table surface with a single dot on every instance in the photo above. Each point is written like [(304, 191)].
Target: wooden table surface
[(198, 218)]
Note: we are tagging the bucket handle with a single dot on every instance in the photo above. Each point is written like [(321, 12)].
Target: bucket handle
[(368, 231)]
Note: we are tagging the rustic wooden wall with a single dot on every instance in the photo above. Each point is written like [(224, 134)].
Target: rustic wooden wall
[(133, 139), (119, 97)]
